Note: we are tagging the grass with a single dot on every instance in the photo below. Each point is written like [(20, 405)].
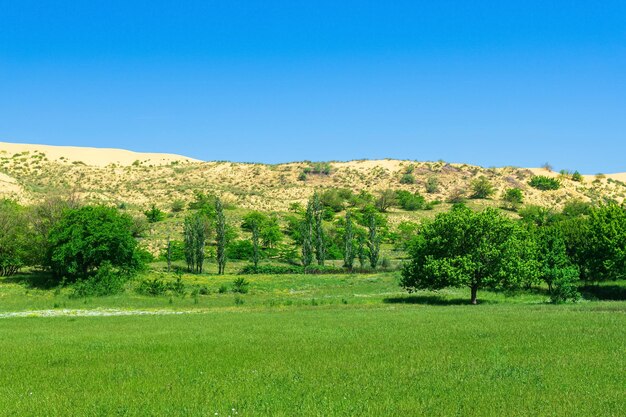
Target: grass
[(315, 345)]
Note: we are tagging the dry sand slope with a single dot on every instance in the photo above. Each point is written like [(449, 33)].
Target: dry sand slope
[(93, 156)]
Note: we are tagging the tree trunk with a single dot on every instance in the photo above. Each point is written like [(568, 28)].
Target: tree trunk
[(474, 291)]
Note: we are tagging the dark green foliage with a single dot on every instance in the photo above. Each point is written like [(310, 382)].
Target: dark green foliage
[(336, 198), (576, 176), (157, 286), (176, 251), (555, 267), (320, 236), (432, 185), (270, 269), (541, 182), (405, 233), (204, 203), (538, 215), (220, 236), (256, 250), (154, 214), (195, 236), (410, 201), (477, 250), (106, 281), (88, 237), (348, 242), (240, 285), (482, 187), (513, 198), (407, 179), (240, 250), (602, 251), (576, 208), (17, 239), (373, 240), (318, 168), (268, 228), (307, 234), (361, 251)]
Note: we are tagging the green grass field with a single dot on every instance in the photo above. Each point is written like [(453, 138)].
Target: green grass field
[(314, 345)]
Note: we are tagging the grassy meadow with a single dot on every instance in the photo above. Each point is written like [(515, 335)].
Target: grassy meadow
[(313, 345)]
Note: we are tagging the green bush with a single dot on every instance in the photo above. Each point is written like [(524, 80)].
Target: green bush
[(410, 202), (576, 176), (240, 285), (541, 182), (482, 187), (407, 179), (106, 281)]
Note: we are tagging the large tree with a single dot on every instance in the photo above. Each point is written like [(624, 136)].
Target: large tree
[(88, 237), (18, 246), (602, 250), (195, 235), (462, 248)]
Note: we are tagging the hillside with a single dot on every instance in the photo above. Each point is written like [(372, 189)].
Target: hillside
[(30, 172)]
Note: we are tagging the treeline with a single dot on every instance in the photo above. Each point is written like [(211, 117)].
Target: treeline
[(463, 248)]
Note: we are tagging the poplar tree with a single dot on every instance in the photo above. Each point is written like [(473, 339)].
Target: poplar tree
[(220, 236), (348, 237)]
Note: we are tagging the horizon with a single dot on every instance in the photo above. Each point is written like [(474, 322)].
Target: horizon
[(489, 84)]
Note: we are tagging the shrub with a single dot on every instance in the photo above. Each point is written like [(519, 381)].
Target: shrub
[(482, 187), (432, 185), (407, 179), (541, 182), (576, 176), (240, 250), (513, 197), (106, 281), (410, 202), (240, 285), (153, 287), (178, 206), (154, 214)]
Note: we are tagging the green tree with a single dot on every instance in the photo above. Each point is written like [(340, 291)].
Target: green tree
[(220, 236), (318, 229), (602, 254), (385, 200), (348, 243), (477, 250), (373, 241), (88, 237), (482, 187), (18, 246), (307, 235), (513, 198), (154, 214), (195, 237), (555, 267)]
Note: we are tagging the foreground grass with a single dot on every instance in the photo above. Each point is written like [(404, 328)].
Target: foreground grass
[(391, 360)]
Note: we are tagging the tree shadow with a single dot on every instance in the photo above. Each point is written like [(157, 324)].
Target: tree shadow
[(603, 292), (32, 280), (431, 300)]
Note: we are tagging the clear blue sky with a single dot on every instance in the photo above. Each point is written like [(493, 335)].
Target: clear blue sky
[(487, 82)]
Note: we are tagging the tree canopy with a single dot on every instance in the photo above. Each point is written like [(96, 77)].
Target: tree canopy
[(473, 249)]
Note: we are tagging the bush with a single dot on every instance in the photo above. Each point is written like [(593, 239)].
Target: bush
[(157, 286), (106, 281), (178, 206), (240, 285), (269, 269), (407, 179), (154, 214), (432, 185), (541, 182), (482, 187), (86, 239), (576, 176), (410, 202), (240, 250), (513, 197)]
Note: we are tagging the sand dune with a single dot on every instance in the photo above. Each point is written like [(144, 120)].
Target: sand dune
[(93, 156)]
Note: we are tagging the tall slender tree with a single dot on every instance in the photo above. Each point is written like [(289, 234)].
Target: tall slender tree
[(373, 241), (220, 236), (320, 244), (307, 235), (194, 231), (255, 243), (348, 243)]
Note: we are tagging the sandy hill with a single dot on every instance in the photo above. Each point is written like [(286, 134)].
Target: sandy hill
[(99, 157), (30, 172)]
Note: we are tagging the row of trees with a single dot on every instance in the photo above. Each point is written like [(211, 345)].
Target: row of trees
[(306, 228), (490, 250)]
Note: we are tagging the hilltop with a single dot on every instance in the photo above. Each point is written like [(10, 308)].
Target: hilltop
[(30, 172)]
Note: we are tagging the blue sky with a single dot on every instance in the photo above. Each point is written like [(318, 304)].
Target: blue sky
[(486, 82)]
